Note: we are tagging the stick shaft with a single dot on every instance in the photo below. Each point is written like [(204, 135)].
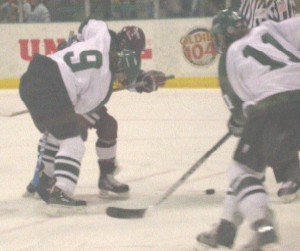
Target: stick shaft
[(13, 114), (36, 176), (189, 172), (115, 90), (123, 213), (18, 113), (70, 38)]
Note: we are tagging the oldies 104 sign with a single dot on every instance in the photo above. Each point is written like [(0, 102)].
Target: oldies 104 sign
[(198, 47)]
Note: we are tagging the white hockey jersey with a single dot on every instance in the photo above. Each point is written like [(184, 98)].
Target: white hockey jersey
[(84, 67), (265, 62)]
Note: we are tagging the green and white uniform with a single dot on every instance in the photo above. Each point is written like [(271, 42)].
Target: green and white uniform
[(261, 70), (259, 78), (58, 87), (84, 67)]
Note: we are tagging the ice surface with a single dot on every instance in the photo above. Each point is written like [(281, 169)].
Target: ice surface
[(161, 135)]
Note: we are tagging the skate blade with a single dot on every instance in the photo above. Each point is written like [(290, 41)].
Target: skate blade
[(298, 194), (288, 198), (203, 247), (104, 194), (30, 195), (54, 210), (271, 247)]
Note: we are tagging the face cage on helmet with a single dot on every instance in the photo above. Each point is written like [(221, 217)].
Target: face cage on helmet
[(223, 37), (228, 26), (128, 69), (218, 38)]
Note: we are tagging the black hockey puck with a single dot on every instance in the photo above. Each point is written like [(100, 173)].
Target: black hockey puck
[(210, 191)]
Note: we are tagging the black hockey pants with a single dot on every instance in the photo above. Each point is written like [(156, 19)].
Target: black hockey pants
[(44, 94)]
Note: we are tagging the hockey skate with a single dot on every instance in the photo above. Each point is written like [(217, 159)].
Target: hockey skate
[(60, 204), (289, 191), (44, 187), (30, 192), (220, 237), (264, 237), (267, 238), (108, 185), (42, 190)]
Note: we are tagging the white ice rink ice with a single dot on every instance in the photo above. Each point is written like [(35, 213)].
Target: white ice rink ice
[(161, 135)]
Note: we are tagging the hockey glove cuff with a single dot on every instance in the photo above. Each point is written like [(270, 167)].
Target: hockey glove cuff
[(234, 127), (152, 79)]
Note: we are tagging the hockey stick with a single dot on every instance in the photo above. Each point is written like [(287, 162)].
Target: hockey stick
[(36, 176), (139, 84), (125, 213), (70, 38), (135, 85), (13, 114)]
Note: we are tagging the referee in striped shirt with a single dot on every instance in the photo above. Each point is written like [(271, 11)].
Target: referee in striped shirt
[(256, 12)]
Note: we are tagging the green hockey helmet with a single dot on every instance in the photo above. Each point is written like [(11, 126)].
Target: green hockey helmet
[(227, 27)]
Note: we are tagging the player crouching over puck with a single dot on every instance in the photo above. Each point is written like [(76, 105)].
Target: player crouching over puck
[(77, 80), (106, 126)]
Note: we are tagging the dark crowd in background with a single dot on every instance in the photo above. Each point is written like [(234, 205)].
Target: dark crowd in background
[(12, 11)]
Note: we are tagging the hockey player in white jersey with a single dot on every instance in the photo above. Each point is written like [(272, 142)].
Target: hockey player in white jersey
[(75, 80), (259, 78), (255, 13), (106, 126)]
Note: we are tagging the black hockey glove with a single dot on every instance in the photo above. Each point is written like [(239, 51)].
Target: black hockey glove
[(152, 79), (235, 128)]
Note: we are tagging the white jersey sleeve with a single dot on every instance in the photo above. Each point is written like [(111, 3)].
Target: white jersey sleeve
[(91, 29), (265, 62), (289, 29), (84, 67)]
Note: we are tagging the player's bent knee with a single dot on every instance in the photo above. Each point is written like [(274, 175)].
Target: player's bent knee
[(73, 147), (237, 171), (107, 128)]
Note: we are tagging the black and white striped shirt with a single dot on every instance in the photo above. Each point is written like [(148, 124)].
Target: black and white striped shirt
[(258, 11)]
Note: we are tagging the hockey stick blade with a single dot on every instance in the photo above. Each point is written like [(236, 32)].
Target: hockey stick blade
[(123, 213)]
